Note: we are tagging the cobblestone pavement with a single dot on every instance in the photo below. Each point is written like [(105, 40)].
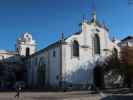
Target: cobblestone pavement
[(80, 95)]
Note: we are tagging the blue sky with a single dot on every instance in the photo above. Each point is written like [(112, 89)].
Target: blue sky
[(46, 19)]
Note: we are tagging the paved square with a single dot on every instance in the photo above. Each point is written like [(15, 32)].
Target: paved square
[(50, 96), (79, 95)]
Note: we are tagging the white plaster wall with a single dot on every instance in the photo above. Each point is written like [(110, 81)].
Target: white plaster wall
[(80, 70), (32, 67), (23, 49), (54, 66), (75, 70)]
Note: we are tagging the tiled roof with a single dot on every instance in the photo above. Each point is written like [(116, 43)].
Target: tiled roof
[(8, 52), (127, 38)]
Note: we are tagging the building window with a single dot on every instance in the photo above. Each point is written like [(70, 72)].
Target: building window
[(75, 48), (96, 44), (115, 52), (27, 51), (54, 53)]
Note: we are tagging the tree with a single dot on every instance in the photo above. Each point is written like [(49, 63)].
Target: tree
[(114, 71), (7, 75), (126, 56)]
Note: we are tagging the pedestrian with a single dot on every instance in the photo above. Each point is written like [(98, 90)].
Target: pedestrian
[(18, 90)]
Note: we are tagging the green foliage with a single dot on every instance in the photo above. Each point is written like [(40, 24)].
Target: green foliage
[(7, 75), (114, 65), (128, 73), (112, 62)]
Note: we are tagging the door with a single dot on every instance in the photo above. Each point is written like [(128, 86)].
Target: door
[(99, 77)]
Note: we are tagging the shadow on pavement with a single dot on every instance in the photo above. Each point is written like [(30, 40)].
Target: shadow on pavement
[(119, 91), (120, 97)]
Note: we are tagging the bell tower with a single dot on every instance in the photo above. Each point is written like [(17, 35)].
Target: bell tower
[(25, 45)]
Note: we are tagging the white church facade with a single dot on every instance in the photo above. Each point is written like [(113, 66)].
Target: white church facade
[(70, 60)]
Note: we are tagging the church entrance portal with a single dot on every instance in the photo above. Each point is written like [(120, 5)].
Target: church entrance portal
[(99, 77)]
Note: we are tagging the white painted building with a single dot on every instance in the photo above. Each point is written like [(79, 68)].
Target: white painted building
[(71, 60)]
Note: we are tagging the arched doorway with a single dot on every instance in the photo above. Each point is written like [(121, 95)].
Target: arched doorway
[(98, 77), (27, 51)]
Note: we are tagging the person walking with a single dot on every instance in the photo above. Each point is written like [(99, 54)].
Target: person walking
[(18, 90)]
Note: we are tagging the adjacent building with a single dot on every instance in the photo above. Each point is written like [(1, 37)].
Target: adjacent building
[(126, 46)]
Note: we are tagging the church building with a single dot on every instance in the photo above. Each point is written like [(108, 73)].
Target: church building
[(68, 62), (71, 60)]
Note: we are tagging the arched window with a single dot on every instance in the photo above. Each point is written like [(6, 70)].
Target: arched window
[(27, 51), (75, 48), (115, 52), (96, 44)]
